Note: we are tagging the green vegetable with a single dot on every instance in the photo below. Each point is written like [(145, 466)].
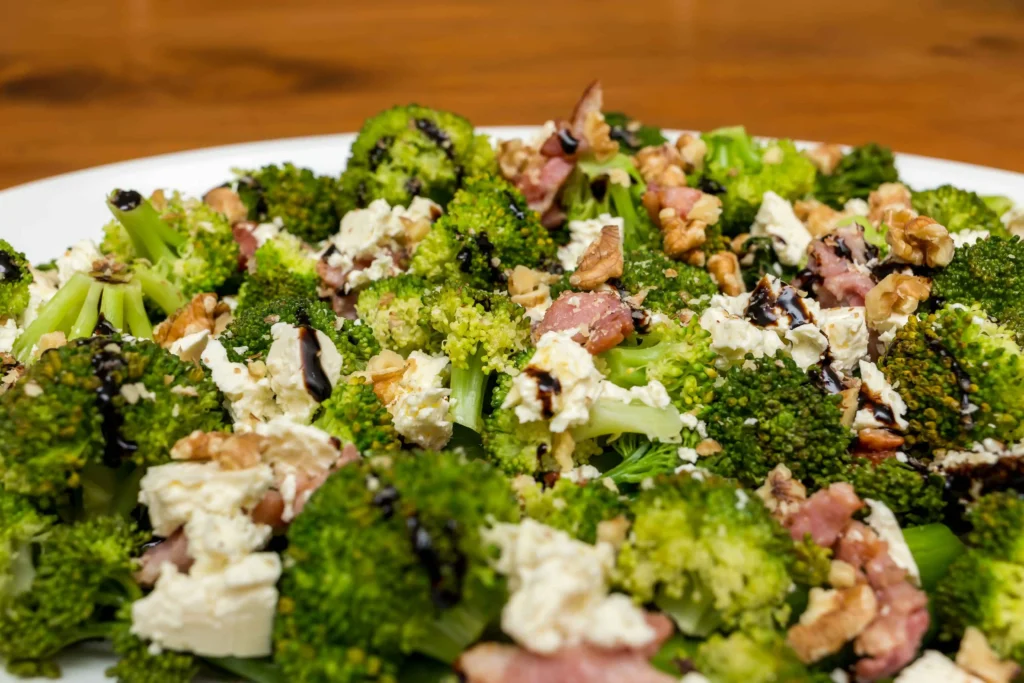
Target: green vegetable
[(670, 285), (282, 268), (761, 656), (15, 277), (393, 309), (355, 415), (934, 548), (632, 135), (305, 202), (857, 174), (914, 498), (590, 193), (576, 509), (958, 210)]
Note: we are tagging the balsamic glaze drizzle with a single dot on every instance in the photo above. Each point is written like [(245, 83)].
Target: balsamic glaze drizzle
[(317, 383), (9, 270), (567, 141), (108, 366), (436, 135), (963, 380), (548, 387), (125, 200)]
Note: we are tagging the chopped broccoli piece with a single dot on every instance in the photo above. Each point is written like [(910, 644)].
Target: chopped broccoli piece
[(355, 415), (757, 258), (960, 376), (486, 230), (644, 459), (997, 526), (393, 309), (860, 171), (284, 269), (934, 547), (914, 497), (632, 135), (576, 509), (760, 656), (590, 193), (386, 560), (958, 210), (15, 277), (771, 414), (412, 151), (670, 285), (305, 202)]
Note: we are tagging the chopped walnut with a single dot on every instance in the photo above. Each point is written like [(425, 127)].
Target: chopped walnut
[(230, 451), (897, 294), (873, 439), (51, 340), (597, 133), (613, 531), (414, 230), (724, 268), (10, 371), (226, 201), (708, 447), (825, 157), (976, 656), (832, 618), (601, 261), (110, 271), (661, 165), (921, 241), (782, 494), (819, 218), (842, 574), (850, 402), (199, 315), (692, 150), (384, 371), (562, 448), (158, 199), (682, 236), (888, 198), (528, 287), (513, 157)]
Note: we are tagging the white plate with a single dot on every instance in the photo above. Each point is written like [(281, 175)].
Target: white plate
[(43, 217)]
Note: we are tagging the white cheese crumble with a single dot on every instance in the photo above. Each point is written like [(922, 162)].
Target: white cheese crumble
[(733, 337), (135, 392), (77, 259), (582, 474), (579, 380), (421, 406), (9, 333), (559, 591), (249, 399), (966, 238), (883, 521), (42, 288), (806, 344), (287, 375), (1014, 220), (847, 331), (775, 219), (879, 389), (190, 348), (933, 667), (652, 394), (582, 234), (264, 232), (216, 540)]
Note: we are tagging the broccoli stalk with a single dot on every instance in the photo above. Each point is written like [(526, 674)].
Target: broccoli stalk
[(251, 670), (152, 238), (934, 548), (642, 459), (468, 387), (610, 416), (589, 194)]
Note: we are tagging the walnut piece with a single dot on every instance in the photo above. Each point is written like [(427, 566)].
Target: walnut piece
[(199, 315), (825, 157), (613, 531), (661, 165), (230, 451), (832, 618), (530, 288), (888, 198), (724, 268), (562, 448), (226, 201), (513, 157), (782, 494), (920, 241), (384, 371), (10, 371), (850, 402), (51, 340), (601, 261), (597, 133), (819, 218), (682, 236), (976, 656), (692, 150), (873, 439), (897, 294)]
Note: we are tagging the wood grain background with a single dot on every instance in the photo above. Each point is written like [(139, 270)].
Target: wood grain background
[(86, 82)]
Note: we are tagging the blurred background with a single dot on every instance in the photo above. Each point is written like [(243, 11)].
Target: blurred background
[(87, 83)]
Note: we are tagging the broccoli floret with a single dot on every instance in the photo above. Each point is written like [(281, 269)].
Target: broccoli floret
[(998, 203), (412, 151), (632, 135), (645, 459), (760, 656), (670, 285), (355, 415), (997, 526), (773, 413), (757, 258), (745, 169), (305, 202), (990, 274), (481, 333), (20, 524), (679, 356), (914, 497), (860, 171), (958, 210), (960, 376), (81, 578), (393, 309), (487, 229), (520, 447), (590, 193), (284, 269), (136, 661), (387, 559), (187, 242), (576, 509), (708, 554), (98, 302), (934, 547), (611, 417), (15, 277), (84, 421)]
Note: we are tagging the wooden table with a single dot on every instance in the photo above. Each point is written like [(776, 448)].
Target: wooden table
[(85, 83)]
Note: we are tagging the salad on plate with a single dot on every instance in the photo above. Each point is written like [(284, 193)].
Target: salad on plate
[(590, 406)]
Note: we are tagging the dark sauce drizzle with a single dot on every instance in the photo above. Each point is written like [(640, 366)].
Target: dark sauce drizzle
[(825, 376), (963, 381), (567, 141), (621, 135), (414, 186), (126, 200), (710, 186), (841, 249), (103, 328), (641, 320), (514, 207), (9, 270), (764, 305), (379, 151), (548, 387), (317, 383), (436, 135), (446, 578), (107, 366), (599, 187), (385, 499)]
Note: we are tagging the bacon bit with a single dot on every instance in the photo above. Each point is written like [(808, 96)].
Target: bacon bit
[(825, 157), (825, 514), (242, 231), (173, 549), (601, 319), (591, 101), (832, 618), (601, 261), (226, 201)]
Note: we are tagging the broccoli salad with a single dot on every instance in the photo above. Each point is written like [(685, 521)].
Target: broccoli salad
[(592, 406)]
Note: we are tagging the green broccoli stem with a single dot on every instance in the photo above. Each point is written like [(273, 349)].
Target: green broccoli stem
[(934, 548), (608, 417), (455, 629), (695, 614), (252, 670), (112, 305), (161, 292), (468, 388), (56, 315), (151, 236), (135, 312), (647, 460), (108, 492), (627, 365)]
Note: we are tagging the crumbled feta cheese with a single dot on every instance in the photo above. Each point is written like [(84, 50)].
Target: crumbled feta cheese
[(567, 403), (559, 591), (688, 455), (135, 392), (287, 373), (420, 409), (249, 400), (741, 499), (381, 267), (190, 348), (296, 448), (582, 234), (879, 390), (175, 491), (1014, 220), (883, 521), (9, 333), (776, 219), (228, 613), (986, 452), (32, 390), (77, 259), (966, 238), (42, 288), (264, 232), (932, 667), (691, 422), (806, 344), (216, 540), (694, 677), (856, 207), (733, 337), (847, 332), (652, 394), (582, 474)]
